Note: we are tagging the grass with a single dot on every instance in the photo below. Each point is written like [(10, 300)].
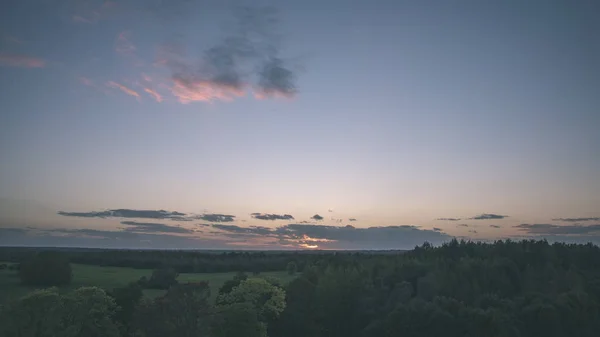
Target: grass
[(112, 277)]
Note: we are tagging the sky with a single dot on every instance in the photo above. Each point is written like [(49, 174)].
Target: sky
[(334, 124)]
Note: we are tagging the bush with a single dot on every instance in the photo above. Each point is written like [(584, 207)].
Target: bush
[(3, 266), (162, 279), (46, 269), (292, 268)]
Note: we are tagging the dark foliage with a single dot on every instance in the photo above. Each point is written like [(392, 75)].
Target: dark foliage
[(127, 299), (183, 311), (527, 288), (46, 268), (230, 284), (461, 289), (292, 268), (162, 279), (183, 261)]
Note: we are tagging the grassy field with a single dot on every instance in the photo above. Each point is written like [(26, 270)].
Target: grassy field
[(112, 277)]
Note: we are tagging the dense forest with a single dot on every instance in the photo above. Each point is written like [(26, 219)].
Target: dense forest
[(508, 288)]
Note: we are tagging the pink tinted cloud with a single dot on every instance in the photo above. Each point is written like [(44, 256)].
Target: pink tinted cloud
[(262, 94), (203, 91), (124, 89), (157, 97), (81, 19), (123, 44), (86, 81), (22, 61)]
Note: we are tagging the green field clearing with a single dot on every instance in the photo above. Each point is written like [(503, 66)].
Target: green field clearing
[(112, 277)]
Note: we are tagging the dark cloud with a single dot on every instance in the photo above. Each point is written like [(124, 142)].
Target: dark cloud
[(463, 225), (151, 227), (252, 230), (449, 219), (217, 217), (264, 216), (473, 231), (276, 79), (349, 237), (488, 217), (61, 237), (550, 229), (576, 219), (352, 219), (127, 213), (437, 229), (317, 217), (249, 50), (494, 226)]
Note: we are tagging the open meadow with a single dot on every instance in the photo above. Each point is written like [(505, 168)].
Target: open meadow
[(113, 277)]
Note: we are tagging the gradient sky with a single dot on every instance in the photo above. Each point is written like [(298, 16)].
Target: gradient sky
[(390, 113)]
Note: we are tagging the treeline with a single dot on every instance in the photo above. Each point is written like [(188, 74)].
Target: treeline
[(527, 288), (182, 261), (461, 289)]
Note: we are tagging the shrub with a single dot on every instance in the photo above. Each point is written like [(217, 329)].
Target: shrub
[(162, 279)]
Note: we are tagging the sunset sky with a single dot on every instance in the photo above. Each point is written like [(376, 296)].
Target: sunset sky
[(211, 124)]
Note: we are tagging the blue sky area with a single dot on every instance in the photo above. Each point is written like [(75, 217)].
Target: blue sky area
[(381, 117)]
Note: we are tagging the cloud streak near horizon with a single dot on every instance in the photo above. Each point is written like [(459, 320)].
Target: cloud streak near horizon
[(291, 236), (20, 61)]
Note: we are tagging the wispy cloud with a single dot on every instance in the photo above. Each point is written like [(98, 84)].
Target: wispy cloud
[(486, 216), (195, 89), (495, 226), (124, 89), (126, 213), (448, 219), (551, 229), (338, 237), (352, 219), (157, 97), (86, 81), (81, 19), (217, 217), (577, 219), (21, 61), (152, 227), (264, 216), (123, 44)]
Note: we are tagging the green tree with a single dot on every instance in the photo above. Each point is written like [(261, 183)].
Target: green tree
[(90, 313), (230, 284), (237, 319), (292, 268), (86, 312), (267, 299), (183, 311), (127, 299), (162, 279), (37, 314)]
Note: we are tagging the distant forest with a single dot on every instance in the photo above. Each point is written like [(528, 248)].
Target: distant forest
[(508, 288)]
